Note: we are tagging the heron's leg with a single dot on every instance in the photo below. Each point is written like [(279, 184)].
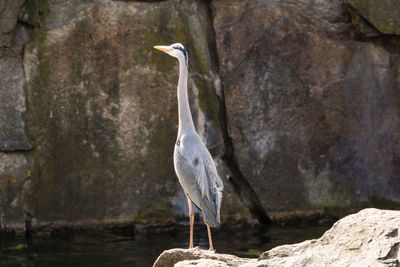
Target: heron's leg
[(191, 216), (209, 238)]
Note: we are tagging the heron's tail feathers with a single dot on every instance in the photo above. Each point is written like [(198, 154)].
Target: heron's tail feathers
[(210, 210)]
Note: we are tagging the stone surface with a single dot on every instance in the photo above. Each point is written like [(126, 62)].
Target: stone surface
[(202, 263), (198, 257), (367, 238), (312, 112), (50, 14), (361, 24), (312, 106), (14, 180), (9, 10), (384, 15), (104, 111), (12, 101)]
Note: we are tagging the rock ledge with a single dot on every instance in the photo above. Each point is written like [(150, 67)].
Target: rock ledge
[(367, 238), (198, 257)]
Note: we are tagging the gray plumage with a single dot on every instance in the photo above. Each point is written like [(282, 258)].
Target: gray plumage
[(193, 163), (198, 176)]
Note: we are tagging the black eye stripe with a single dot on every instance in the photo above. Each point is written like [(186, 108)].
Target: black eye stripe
[(182, 49)]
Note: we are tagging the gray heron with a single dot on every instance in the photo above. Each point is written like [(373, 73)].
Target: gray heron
[(193, 163)]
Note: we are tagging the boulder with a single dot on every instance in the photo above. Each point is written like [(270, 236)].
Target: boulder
[(198, 257), (361, 24), (384, 15), (312, 112), (9, 10), (202, 263), (367, 238), (103, 110)]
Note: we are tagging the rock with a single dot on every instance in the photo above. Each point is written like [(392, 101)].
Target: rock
[(50, 14), (9, 10), (103, 111), (384, 15), (12, 101), (312, 106), (361, 24), (14, 183), (198, 257), (367, 238), (302, 114), (202, 263)]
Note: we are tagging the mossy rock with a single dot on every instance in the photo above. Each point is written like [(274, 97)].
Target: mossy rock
[(14, 182), (384, 15), (155, 213), (103, 110)]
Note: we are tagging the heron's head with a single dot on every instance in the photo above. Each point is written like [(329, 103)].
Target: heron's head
[(176, 50)]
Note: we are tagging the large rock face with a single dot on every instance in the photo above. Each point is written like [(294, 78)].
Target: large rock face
[(368, 238), (104, 111), (14, 142), (300, 110), (312, 112)]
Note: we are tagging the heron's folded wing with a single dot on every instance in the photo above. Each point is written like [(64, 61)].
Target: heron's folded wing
[(206, 175)]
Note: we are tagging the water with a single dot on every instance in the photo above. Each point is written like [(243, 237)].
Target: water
[(128, 248)]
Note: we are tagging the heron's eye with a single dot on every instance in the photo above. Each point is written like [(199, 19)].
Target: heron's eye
[(178, 143)]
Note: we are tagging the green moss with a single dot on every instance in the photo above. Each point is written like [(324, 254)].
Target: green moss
[(18, 247), (78, 169), (379, 203), (162, 28), (196, 43), (208, 101), (75, 161), (232, 210), (159, 158), (37, 10), (156, 30), (324, 190), (10, 190), (155, 213), (251, 253)]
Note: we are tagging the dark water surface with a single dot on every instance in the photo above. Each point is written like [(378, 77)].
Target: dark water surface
[(124, 248)]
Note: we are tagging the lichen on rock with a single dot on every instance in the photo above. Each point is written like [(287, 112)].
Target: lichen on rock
[(300, 107), (104, 109)]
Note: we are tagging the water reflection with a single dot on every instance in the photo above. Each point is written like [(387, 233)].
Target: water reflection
[(140, 248)]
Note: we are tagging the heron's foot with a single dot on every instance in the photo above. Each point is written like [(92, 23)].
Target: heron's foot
[(211, 249)]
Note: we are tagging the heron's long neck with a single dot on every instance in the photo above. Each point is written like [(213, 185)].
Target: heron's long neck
[(185, 117)]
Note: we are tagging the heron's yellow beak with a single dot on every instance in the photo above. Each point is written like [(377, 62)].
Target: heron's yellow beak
[(163, 48)]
